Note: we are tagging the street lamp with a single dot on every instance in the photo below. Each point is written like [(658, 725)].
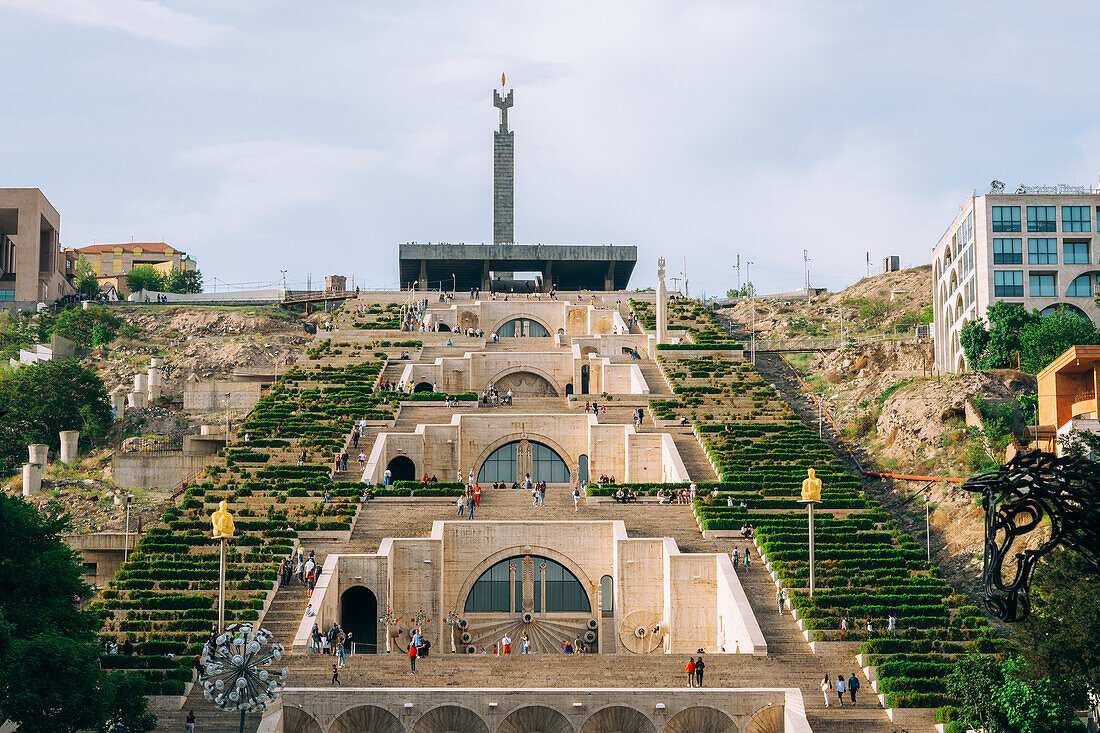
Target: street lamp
[(927, 530), (752, 305), (235, 675), (227, 419), (284, 282), (126, 536)]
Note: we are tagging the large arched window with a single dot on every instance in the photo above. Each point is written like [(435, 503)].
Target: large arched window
[(1073, 310), (523, 327), (1080, 287), (503, 464), (554, 588)]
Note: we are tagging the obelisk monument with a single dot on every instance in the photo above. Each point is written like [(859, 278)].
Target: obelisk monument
[(503, 172), (662, 304)]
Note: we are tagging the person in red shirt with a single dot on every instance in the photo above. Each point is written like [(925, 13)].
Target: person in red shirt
[(691, 672), (477, 495), (412, 658)]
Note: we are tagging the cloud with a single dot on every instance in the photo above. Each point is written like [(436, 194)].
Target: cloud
[(143, 18)]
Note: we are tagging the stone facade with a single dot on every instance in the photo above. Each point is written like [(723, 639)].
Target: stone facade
[(504, 149)]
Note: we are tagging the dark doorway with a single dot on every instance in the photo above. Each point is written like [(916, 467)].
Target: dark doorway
[(582, 468), (584, 379), (359, 617), (443, 327), (424, 387), (568, 389), (401, 468)]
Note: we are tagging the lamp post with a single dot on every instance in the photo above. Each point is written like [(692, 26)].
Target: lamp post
[(227, 419), (927, 529), (752, 306), (126, 536), (235, 677), (811, 494), (284, 282)]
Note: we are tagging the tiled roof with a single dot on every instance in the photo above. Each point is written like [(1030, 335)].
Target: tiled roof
[(144, 247)]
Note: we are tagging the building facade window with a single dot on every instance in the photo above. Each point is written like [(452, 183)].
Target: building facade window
[(7, 295), (1008, 252), (1041, 285), (1076, 219), (1042, 251), (548, 465), (1081, 287), (1042, 219), (500, 588), (1006, 218), (1075, 253), (1008, 283)]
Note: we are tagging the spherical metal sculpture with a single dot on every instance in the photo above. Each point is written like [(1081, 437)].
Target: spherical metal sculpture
[(236, 674)]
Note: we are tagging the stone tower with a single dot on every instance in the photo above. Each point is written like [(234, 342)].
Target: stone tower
[(662, 304), (503, 173)]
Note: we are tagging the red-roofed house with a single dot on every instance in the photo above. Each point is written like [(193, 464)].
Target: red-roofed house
[(111, 262)]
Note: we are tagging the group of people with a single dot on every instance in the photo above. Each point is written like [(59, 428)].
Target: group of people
[(340, 460), (492, 396), (334, 641), (625, 496), (695, 669), (851, 686), (740, 556), (418, 647), (594, 408), (673, 496), (845, 626), (301, 569), (470, 500)]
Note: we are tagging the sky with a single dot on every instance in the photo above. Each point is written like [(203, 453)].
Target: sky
[(313, 137)]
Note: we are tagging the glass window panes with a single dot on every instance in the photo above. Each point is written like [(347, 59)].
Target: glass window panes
[(523, 327), (1042, 251), (499, 466), (1041, 285), (7, 295), (546, 465), (564, 593), (1076, 219), (1075, 253), (1008, 283), (607, 597), (1041, 219), (491, 592), (1006, 218), (1008, 251), (1081, 287)]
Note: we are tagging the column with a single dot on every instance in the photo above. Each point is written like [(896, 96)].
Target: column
[(662, 305), (69, 445)]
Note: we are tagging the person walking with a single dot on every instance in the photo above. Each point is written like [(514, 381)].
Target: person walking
[(542, 494), (841, 688), (526, 641), (412, 658), (736, 557), (470, 507), (699, 666), (335, 675), (576, 499), (779, 600), (691, 671), (853, 685), (477, 495), (826, 688), (189, 725), (461, 505), (746, 558), (340, 658), (891, 625)]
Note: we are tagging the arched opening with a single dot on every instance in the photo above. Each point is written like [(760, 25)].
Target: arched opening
[(443, 327), (526, 383), (535, 719), (359, 618), (700, 718), (582, 468), (367, 718), (450, 718), (424, 387), (584, 379), (607, 594), (568, 389), (1069, 308), (299, 721), (500, 589), (401, 468), (960, 363), (523, 327), (468, 321), (507, 464), (618, 719)]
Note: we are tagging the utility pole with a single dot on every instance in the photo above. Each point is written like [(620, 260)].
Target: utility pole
[(806, 263), (738, 266), (868, 264), (841, 334), (685, 276)]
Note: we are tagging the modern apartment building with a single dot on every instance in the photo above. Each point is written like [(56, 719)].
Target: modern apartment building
[(1038, 247), (111, 262), (33, 269)]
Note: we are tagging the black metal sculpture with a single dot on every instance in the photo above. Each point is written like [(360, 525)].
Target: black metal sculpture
[(1016, 497)]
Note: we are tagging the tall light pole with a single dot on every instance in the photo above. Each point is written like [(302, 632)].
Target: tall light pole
[(752, 306), (284, 282), (227, 419), (126, 544), (927, 530)]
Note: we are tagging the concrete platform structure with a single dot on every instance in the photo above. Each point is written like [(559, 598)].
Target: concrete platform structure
[(461, 267)]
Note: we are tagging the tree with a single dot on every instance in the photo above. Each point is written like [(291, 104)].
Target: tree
[(745, 291), (1046, 338), (50, 680), (1062, 634), (184, 281), (48, 397), (998, 697), (974, 680), (80, 326), (145, 277), (1011, 330)]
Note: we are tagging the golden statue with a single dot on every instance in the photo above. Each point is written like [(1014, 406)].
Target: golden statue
[(811, 488), (222, 521)]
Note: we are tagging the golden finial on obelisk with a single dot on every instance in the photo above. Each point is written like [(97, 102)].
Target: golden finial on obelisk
[(502, 80)]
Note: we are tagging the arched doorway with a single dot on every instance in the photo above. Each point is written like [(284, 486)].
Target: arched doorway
[(700, 718), (512, 462), (401, 468), (568, 389), (424, 387), (582, 468), (359, 617), (367, 718), (535, 718), (618, 718), (450, 718), (523, 327), (584, 379), (444, 328)]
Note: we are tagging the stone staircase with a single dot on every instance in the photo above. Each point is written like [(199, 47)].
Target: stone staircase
[(653, 377), (691, 453)]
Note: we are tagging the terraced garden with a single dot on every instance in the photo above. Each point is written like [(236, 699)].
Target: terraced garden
[(866, 567), (164, 598)]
